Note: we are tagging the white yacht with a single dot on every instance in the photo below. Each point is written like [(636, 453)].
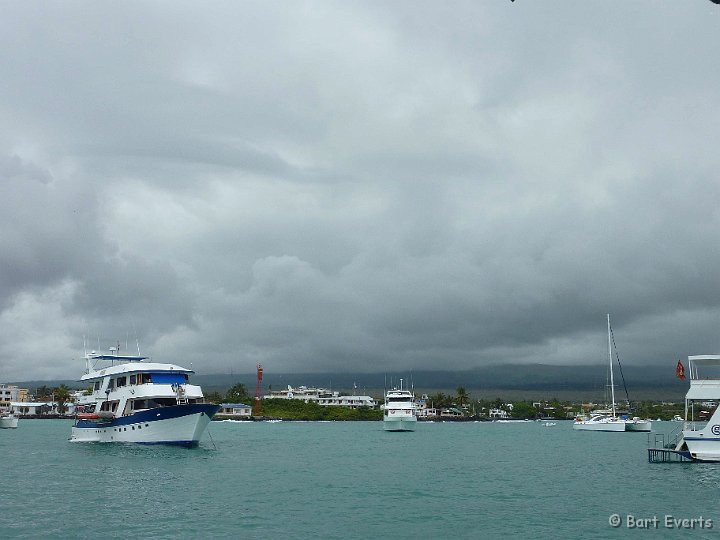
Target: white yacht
[(699, 440), (599, 422), (399, 410), (8, 420), (637, 424), (134, 401), (608, 420), (603, 420)]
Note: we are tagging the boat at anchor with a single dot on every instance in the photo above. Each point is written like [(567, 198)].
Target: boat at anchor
[(608, 420), (8, 421), (399, 410), (697, 439), (135, 401)]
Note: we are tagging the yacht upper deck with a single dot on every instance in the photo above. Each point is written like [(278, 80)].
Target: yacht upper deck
[(704, 375)]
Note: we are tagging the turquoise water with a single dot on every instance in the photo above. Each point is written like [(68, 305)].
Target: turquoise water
[(348, 480)]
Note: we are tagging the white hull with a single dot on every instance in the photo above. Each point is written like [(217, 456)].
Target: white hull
[(399, 410), (400, 423), (8, 422), (700, 440), (589, 425), (181, 430), (701, 450), (638, 425)]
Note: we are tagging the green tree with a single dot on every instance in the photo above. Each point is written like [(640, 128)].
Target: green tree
[(523, 409), (62, 397), (238, 394), (42, 393), (462, 396), (440, 400), (213, 397)]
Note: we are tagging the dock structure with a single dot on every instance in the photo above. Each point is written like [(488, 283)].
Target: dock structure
[(664, 455)]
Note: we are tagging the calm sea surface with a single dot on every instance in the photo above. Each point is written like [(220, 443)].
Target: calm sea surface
[(349, 480)]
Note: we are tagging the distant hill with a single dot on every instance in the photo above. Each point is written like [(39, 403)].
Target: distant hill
[(572, 382), (512, 381)]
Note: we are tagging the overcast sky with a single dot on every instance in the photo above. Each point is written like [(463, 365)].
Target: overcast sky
[(361, 186)]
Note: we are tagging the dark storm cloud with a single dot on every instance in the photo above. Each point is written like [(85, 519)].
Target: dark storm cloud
[(357, 186)]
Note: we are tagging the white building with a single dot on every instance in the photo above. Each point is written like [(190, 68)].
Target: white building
[(347, 401), (235, 409), (498, 413), (322, 396), (33, 407), (8, 394)]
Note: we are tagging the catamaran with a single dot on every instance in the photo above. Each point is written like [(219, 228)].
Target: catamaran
[(608, 420), (135, 401)]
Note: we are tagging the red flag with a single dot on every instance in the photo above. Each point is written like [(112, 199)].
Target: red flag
[(680, 371)]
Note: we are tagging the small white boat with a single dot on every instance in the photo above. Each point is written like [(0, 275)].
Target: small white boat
[(599, 422), (134, 401), (638, 424), (399, 410), (677, 418), (8, 421)]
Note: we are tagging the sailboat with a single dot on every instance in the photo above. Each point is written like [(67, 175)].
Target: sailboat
[(608, 420)]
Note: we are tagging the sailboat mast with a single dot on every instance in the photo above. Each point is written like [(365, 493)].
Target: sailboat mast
[(612, 381)]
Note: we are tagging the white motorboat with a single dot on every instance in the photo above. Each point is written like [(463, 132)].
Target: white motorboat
[(399, 410), (8, 421), (135, 401)]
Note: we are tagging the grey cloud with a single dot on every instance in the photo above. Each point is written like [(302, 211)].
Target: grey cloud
[(357, 187)]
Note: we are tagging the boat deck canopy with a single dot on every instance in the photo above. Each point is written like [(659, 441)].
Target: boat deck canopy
[(705, 360), (704, 389)]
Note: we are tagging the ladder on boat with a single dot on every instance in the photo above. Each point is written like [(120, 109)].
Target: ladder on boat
[(180, 395), (662, 452)]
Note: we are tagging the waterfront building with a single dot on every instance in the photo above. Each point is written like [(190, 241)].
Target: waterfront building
[(235, 409), (322, 396), (8, 394), (35, 408), (500, 414)]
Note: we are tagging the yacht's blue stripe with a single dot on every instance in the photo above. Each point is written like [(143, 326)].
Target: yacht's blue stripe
[(152, 415), (184, 444)]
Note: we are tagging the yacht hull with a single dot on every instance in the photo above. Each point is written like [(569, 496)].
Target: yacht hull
[(181, 425), (701, 449), (400, 424), (8, 423), (617, 426), (638, 425)]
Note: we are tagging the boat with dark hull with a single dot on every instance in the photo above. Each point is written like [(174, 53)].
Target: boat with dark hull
[(135, 401)]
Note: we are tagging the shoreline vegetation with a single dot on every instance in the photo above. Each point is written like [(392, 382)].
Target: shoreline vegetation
[(464, 406)]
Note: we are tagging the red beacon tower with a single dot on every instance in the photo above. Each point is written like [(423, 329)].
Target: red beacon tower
[(258, 397)]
